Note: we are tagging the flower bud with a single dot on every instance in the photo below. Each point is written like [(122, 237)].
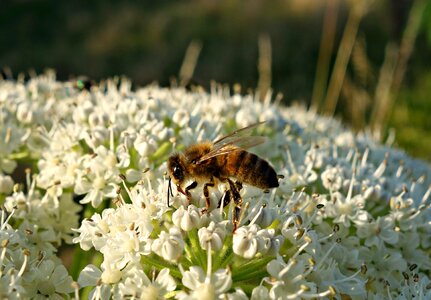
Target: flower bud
[(186, 219), (212, 234), (6, 184), (169, 245)]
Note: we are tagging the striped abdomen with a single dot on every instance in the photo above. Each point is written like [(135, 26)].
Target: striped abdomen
[(248, 168)]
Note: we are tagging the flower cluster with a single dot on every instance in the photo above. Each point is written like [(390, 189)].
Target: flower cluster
[(350, 219)]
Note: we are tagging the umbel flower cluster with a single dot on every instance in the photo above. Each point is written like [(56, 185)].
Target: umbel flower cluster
[(350, 220)]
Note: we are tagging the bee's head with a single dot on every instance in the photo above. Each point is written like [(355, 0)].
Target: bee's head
[(176, 170)]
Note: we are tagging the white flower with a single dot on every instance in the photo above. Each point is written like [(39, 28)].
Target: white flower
[(6, 184), (204, 287), (384, 263), (250, 240), (186, 219), (100, 178), (212, 234), (263, 215), (345, 209), (169, 245), (136, 284), (92, 276), (378, 231), (332, 178), (50, 280), (121, 234), (260, 292), (288, 278)]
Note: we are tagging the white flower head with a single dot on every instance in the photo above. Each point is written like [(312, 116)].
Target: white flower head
[(348, 210)]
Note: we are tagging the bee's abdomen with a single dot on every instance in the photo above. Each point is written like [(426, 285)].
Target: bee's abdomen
[(251, 169)]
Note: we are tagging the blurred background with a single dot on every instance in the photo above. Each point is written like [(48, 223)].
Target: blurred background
[(366, 62)]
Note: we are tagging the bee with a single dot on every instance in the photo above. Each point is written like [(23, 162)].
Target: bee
[(222, 161)]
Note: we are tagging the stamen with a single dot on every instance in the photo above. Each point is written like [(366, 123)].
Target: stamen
[(3, 225), (298, 199), (111, 139), (28, 177), (256, 216), (3, 214), (365, 157), (287, 268), (352, 180), (98, 292), (31, 189), (381, 169), (329, 291), (222, 203), (426, 195), (417, 212), (209, 263), (325, 256), (290, 161), (24, 264), (127, 190), (40, 258), (75, 286), (296, 295), (305, 245), (8, 135), (399, 171), (327, 237), (311, 219), (3, 254), (349, 278), (388, 290), (349, 154)]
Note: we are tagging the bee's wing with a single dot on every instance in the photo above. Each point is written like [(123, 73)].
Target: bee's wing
[(244, 142), (227, 139), (239, 139)]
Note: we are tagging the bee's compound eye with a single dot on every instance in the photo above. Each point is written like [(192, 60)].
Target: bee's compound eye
[(177, 172)]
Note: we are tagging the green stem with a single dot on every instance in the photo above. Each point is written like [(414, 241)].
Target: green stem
[(225, 256), (251, 270), (81, 259), (159, 265), (196, 252), (191, 257)]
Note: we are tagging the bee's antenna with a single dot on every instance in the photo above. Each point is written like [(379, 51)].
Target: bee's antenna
[(169, 190)]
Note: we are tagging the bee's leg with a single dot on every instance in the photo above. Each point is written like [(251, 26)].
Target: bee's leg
[(225, 199), (237, 203), (207, 195), (190, 187)]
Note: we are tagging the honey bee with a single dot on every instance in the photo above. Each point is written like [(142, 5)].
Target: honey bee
[(222, 161)]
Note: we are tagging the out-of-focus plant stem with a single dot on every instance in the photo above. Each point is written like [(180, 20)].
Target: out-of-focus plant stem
[(343, 56), (190, 61), (325, 51), (394, 68), (264, 66)]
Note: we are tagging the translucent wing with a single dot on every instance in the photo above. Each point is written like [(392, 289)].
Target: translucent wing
[(234, 135), (239, 139)]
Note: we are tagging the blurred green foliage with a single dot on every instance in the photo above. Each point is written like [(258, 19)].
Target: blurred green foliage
[(146, 41)]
